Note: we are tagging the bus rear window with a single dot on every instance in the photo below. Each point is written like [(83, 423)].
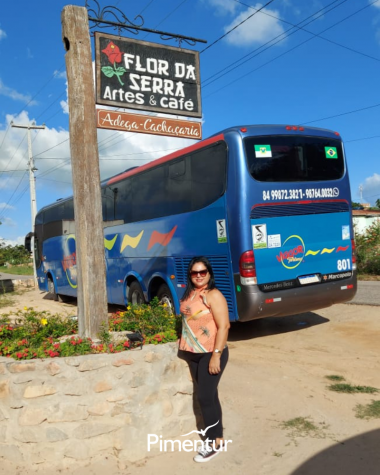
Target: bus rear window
[(292, 158)]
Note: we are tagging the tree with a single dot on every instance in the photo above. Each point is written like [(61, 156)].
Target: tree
[(356, 205), (13, 254), (377, 203)]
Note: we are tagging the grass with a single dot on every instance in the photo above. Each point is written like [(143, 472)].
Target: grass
[(368, 411), (6, 300), (351, 389), (303, 427), (17, 270), (335, 377)]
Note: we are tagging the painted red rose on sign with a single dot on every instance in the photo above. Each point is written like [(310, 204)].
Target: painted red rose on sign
[(114, 56), (113, 53)]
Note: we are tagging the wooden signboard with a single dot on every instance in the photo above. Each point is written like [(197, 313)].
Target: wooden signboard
[(147, 76), (107, 119)]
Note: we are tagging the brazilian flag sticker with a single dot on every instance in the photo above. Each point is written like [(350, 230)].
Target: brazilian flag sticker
[(331, 152), (263, 151)]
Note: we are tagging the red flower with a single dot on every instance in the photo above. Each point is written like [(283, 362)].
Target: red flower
[(113, 53)]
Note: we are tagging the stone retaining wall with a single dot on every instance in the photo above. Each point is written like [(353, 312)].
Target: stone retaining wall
[(10, 285), (75, 408)]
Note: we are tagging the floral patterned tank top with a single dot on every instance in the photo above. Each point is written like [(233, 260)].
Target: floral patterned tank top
[(198, 325)]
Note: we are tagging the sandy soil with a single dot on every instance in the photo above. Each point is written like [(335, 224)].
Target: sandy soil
[(277, 372)]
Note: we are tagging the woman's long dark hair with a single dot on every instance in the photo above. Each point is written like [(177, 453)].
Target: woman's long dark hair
[(190, 287)]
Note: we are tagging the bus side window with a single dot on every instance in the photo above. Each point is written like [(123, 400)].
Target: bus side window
[(68, 210), (149, 194), (121, 200), (109, 198), (208, 175), (179, 187)]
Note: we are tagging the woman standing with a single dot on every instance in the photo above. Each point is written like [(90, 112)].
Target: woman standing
[(205, 325)]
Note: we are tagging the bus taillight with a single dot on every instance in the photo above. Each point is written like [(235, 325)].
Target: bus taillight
[(353, 245), (247, 268)]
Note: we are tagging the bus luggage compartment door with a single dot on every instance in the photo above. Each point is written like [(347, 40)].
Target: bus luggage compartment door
[(301, 250)]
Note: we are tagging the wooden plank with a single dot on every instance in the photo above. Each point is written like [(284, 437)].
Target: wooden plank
[(92, 292)]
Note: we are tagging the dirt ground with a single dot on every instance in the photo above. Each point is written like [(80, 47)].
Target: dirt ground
[(276, 373)]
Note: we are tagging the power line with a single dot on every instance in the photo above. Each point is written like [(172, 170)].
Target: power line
[(51, 148), (236, 26), (146, 7), (311, 33), (291, 49), (108, 157), (364, 138), (271, 43), (339, 115), (167, 16)]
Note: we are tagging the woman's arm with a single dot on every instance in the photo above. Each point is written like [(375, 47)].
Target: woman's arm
[(218, 305)]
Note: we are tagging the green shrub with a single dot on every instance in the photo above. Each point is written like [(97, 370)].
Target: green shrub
[(14, 254), (148, 319), (368, 250), (39, 334)]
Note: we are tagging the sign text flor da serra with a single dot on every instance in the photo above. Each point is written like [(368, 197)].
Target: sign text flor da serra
[(147, 76)]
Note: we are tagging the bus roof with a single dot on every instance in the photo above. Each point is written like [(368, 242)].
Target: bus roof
[(243, 130)]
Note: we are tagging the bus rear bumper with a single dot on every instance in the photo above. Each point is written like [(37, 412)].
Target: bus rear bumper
[(252, 303)]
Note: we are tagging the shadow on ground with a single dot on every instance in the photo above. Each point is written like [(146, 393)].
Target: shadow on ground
[(274, 326), (72, 302), (359, 455)]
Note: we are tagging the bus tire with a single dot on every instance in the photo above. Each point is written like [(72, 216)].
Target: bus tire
[(136, 295), (165, 296), (51, 289)]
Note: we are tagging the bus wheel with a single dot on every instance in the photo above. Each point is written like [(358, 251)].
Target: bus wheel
[(165, 296), (136, 295), (51, 289)]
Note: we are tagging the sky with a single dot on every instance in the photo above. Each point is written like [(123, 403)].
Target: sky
[(313, 62)]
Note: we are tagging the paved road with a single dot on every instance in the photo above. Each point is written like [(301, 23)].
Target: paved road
[(14, 277), (368, 291)]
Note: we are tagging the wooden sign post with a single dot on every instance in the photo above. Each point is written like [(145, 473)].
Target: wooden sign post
[(92, 292)]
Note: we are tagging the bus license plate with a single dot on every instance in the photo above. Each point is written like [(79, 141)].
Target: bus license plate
[(309, 279)]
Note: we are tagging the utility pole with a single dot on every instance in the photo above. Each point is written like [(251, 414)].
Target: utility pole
[(91, 264), (32, 183)]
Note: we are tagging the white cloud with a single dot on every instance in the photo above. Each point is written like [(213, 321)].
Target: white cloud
[(377, 4), (223, 6), (13, 94), (5, 206), (371, 189), (12, 242), (8, 222), (2, 34), (257, 29), (60, 74)]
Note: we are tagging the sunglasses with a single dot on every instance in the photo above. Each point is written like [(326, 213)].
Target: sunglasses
[(202, 273)]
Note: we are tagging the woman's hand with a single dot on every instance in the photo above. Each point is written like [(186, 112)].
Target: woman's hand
[(214, 365)]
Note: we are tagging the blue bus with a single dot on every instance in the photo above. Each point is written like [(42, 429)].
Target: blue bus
[(269, 205)]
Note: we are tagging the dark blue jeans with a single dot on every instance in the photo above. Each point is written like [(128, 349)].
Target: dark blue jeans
[(207, 389)]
